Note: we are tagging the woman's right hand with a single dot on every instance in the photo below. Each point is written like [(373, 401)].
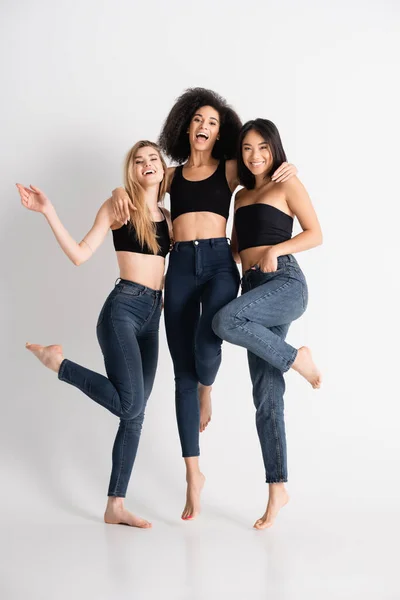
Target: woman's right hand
[(121, 203), (33, 198)]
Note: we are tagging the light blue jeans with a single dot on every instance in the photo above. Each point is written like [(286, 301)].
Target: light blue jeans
[(259, 321)]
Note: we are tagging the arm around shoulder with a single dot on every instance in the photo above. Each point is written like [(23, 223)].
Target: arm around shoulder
[(169, 175), (301, 206), (231, 174), (120, 205)]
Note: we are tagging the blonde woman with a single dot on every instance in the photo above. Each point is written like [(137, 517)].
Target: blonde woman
[(127, 328)]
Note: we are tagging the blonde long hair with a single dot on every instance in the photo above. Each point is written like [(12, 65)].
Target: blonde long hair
[(141, 219)]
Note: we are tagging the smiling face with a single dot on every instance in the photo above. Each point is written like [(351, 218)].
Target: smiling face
[(256, 153), (147, 167), (204, 128)]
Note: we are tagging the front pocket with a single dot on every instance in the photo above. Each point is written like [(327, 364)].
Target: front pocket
[(258, 270)]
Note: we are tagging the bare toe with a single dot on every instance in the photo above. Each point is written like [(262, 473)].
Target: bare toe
[(306, 367), (277, 500), (194, 488), (50, 356), (118, 515)]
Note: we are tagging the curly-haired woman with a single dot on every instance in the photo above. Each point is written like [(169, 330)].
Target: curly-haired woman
[(127, 328), (200, 134)]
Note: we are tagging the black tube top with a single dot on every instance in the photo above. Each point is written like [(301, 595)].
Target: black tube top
[(261, 225)]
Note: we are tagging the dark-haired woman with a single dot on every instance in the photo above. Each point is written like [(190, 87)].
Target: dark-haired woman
[(274, 292), (127, 328), (200, 134)]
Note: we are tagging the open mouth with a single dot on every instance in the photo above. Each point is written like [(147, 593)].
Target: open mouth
[(259, 163), (149, 172), (202, 135)]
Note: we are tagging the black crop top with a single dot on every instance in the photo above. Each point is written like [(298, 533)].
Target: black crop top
[(261, 225), (207, 195), (125, 239)]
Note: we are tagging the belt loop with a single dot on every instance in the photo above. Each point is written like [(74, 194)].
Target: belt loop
[(212, 242), (229, 241), (176, 246)]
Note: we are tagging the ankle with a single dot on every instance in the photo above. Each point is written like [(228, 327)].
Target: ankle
[(115, 502), (277, 488), (193, 475)]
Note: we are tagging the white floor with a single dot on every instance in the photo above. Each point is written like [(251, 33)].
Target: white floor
[(68, 553)]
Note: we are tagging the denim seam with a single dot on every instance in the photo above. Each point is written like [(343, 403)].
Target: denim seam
[(273, 414), (266, 295), (121, 464), (151, 313), (121, 291), (287, 362), (303, 295), (87, 392), (124, 354)]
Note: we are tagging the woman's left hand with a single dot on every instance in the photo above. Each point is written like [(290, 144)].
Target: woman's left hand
[(285, 172), (269, 261)]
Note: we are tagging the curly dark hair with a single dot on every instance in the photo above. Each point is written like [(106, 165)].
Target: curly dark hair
[(173, 138), (270, 133)]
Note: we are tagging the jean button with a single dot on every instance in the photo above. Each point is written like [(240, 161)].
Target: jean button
[(196, 242)]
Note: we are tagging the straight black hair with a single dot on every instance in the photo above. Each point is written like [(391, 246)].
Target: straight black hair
[(270, 134)]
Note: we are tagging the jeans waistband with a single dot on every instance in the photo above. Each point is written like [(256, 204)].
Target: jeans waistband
[(221, 241), (142, 289)]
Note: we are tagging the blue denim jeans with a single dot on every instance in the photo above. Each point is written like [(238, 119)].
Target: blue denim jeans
[(127, 331), (259, 321), (201, 278)]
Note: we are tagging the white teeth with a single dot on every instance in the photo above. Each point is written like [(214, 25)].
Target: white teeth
[(202, 135), (149, 172)]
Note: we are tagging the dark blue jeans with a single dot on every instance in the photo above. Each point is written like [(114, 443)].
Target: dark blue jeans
[(127, 331), (201, 278), (259, 321)]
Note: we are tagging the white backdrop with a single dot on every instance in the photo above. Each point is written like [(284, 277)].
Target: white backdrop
[(81, 82)]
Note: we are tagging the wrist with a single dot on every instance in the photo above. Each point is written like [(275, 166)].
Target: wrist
[(274, 251), (48, 211)]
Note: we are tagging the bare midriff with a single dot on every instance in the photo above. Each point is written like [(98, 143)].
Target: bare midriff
[(198, 226), (252, 256), (145, 269)]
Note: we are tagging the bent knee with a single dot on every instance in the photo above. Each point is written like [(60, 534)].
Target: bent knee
[(132, 410), (222, 322)]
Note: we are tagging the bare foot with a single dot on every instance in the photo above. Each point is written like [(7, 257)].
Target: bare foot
[(195, 483), (116, 514), (278, 498), (305, 365), (50, 356), (205, 405)]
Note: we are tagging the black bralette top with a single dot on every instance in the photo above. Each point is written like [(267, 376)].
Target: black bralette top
[(125, 239), (207, 195)]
